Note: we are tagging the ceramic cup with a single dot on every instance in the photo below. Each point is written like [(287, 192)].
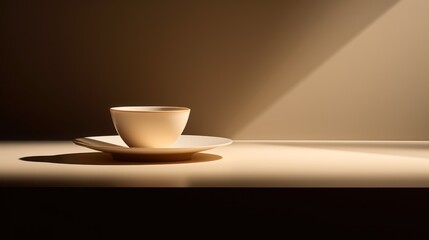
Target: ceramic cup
[(149, 126)]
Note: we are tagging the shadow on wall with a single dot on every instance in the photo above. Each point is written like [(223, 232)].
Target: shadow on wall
[(64, 63)]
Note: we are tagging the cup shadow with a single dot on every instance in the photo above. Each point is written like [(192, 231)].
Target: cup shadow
[(101, 158)]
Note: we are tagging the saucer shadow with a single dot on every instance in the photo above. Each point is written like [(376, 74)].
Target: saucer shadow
[(100, 158)]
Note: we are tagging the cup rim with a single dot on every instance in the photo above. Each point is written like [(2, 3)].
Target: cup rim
[(149, 109)]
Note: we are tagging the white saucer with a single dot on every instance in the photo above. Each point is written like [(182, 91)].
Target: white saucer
[(183, 149)]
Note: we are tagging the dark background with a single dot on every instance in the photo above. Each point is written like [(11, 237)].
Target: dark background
[(287, 213)]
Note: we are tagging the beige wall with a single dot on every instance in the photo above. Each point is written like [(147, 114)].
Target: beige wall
[(329, 69), (374, 86)]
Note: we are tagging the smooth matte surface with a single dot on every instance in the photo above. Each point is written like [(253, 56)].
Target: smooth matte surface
[(149, 126), (241, 164)]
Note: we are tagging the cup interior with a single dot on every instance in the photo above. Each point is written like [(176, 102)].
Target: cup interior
[(149, 109)]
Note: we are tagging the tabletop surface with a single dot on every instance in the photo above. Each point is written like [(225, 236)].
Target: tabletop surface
[(244, 163)]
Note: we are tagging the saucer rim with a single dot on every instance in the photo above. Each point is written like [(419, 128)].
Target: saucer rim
[(150, 151)]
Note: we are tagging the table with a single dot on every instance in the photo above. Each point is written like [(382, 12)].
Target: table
[(303, 187), (244, 163)]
